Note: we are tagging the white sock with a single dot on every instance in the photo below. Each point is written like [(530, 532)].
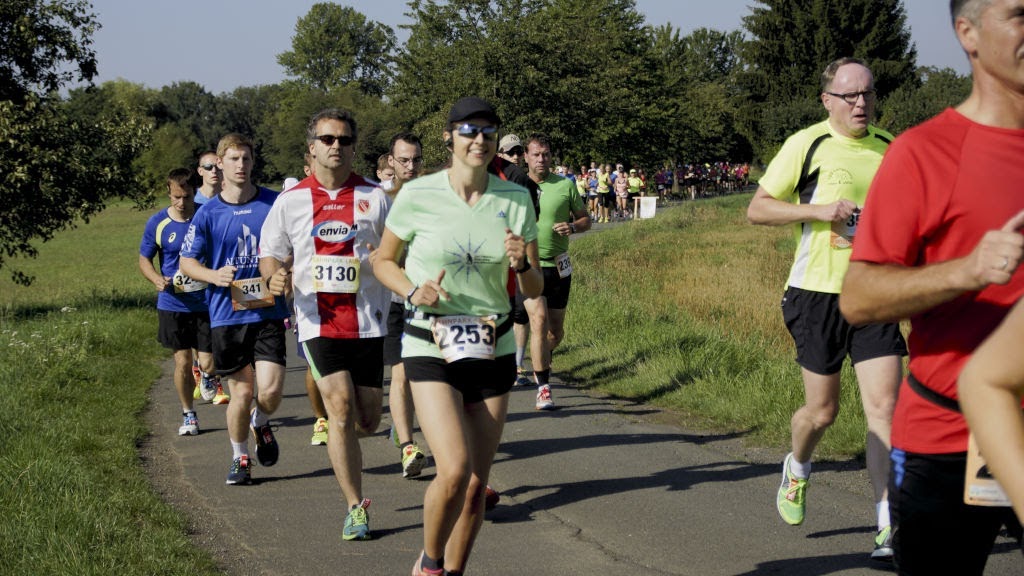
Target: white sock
[(239, 449), (259, 418), (882, 509), (799, 469)]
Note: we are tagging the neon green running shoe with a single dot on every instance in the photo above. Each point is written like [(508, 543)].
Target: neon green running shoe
[(357, 523), (883, 545), (792, 493), (319, 433), (413, 460)]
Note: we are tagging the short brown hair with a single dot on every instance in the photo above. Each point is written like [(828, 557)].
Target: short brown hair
[(181, 177), (234, 140)]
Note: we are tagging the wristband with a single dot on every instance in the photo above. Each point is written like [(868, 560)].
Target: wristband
[(526, 266), (572, 227), (408, 296)]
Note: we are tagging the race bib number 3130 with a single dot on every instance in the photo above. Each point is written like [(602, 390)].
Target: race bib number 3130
[(336, 274), (461, 337)]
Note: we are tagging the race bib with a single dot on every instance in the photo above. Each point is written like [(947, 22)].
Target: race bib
[(461, 337), (563, 264), (843, 232), (336, 274), (250, 293), (184, 284), (980, 487)]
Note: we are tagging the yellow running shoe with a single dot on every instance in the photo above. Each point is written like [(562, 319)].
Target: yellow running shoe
[(221, 397), (791, 497), (319, 432)]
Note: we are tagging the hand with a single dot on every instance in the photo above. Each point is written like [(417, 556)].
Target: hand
[(837, 211), (561, 228), (515, 249), (430, 292), (224, 276), (372, 258), (280, 283), (997, 255), (163, 284)]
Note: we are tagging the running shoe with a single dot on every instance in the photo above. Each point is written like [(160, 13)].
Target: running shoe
[(196, 392), (197, 374), (883, 545), (207, 387), (221, 397), (522, 378), (357, 523), (319, 432), (544, 401), (491, 498), (189, 424), (240, 471), (266, 444), (790, 500), (413, 460), (393, 437)]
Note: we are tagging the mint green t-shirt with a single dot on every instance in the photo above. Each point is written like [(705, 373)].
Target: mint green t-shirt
[(558, 201), (443, 232)]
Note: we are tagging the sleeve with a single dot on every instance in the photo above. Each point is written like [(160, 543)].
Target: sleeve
[(148, 247), (890, 228), (783, 172), (274, 241), (194, 243), (399, 219)]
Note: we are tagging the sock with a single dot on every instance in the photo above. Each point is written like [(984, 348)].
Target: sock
[(404, 444), (430, 564), (542, 376), (882, 509), (239, 449), (799, 469), (259, 418), (520, 354)]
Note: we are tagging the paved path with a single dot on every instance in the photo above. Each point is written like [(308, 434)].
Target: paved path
[(599, 486)]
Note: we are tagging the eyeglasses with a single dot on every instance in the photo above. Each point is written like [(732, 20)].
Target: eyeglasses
[(852, 98), (208, 167), (517, 151), (472, 130), (330, 139), (410, 161)]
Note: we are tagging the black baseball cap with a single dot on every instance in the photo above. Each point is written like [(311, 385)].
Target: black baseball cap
[(472, 107)]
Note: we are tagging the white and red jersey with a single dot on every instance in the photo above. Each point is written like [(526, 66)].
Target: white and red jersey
[(330, 232)]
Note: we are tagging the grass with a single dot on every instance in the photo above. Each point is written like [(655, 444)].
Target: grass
[(680, 312), (77, 359), (683, 312)]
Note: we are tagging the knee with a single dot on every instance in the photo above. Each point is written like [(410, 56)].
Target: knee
[(824, 416)]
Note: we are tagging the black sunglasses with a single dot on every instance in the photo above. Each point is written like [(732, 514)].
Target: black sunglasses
[(472, 130), (330, 139), (208, 167)]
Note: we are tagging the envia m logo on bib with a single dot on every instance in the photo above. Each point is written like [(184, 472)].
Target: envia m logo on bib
[(334, 231)]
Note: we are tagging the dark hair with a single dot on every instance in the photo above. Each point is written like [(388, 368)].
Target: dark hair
[(404, 137), (539, 138), (179, 176), (331, 114)]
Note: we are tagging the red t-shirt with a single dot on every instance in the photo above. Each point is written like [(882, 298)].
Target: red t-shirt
[(940, 187)]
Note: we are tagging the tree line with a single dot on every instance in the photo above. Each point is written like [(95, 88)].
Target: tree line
[(592, 74)]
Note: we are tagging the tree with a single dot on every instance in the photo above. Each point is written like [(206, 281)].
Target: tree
[(791, 42), (54, 168), (335, 45), (911, 105)]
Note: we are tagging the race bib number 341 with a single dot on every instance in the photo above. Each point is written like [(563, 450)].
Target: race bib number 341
[(461, 337), (250, 293)]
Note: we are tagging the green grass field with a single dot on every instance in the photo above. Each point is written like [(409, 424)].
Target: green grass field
[(681, 312)]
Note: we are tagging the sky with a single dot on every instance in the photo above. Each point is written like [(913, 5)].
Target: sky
[(225, 44)]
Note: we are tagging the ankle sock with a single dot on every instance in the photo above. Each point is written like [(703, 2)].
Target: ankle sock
[(543, 376)]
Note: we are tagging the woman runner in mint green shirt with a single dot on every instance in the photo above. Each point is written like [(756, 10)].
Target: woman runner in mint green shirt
[(466, 231)]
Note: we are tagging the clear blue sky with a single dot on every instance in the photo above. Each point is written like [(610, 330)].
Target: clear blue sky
[(223, 44)]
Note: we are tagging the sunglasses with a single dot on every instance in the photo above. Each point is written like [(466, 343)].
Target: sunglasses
[(329, 140), (472, 130), (517, 151), (208, 167)]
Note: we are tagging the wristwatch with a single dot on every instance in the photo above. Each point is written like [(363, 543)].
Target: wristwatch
[(526, 266), (572, 227), (408, 296)]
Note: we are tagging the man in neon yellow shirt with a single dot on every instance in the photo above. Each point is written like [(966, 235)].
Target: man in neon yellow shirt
[(818, 183)]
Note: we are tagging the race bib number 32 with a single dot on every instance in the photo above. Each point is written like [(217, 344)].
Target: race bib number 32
[(184, 284), (250, 293), (461, 337)]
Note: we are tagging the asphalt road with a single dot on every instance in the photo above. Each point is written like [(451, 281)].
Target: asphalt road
[(599, 486)]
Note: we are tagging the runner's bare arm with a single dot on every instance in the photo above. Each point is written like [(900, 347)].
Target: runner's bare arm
[(766, 210), (195, 270), (150, 272)]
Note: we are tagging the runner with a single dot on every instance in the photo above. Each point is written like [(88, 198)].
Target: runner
[(464, 228), (561, 214), (940, 244), (184, 322), (329, 223), (210, 173), (247, 321), (817, 182)]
